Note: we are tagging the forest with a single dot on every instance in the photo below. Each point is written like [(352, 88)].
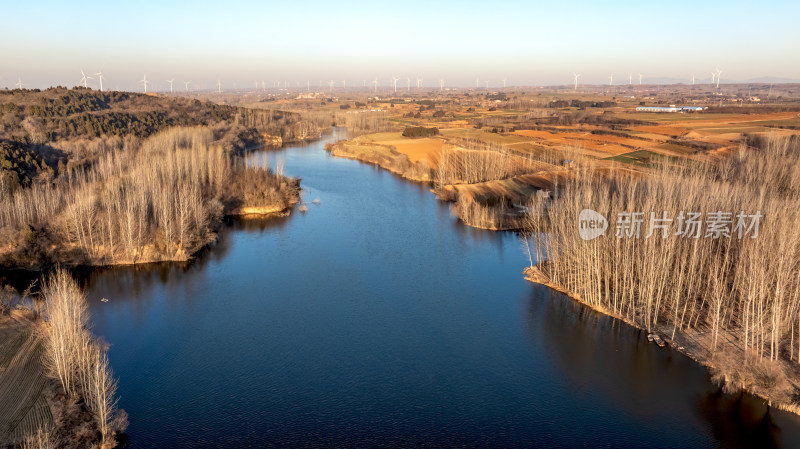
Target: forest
[(47, 132), (695, 265), (80, 189)]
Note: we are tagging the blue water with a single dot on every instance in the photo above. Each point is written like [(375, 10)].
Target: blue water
[(376, 319)]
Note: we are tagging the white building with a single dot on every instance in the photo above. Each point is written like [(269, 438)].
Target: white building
[(671, 108)]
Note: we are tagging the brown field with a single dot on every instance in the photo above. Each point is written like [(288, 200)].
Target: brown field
[(426, 149), (592, 145), (527, 143), (23, 407)]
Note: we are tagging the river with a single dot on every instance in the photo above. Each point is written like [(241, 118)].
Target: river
[(376, 319)]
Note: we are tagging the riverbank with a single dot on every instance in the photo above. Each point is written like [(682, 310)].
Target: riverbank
[(149, 252), (163, 202), (766, 380), (491, 205), (421, 351), (385, 157), (718, 351)]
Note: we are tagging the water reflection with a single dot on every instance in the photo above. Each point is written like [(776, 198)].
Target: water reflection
[(607, 359), (377, 319)]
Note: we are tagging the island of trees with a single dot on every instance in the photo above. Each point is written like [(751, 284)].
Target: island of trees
[(98, 178), (108, 178)]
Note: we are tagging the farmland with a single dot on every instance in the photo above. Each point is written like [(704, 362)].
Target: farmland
[(22, 379), (529, 141)]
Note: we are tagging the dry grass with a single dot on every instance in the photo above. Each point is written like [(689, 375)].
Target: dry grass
[(384, 156), (425, 149)]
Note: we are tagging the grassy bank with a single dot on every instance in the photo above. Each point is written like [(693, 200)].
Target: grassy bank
[(384, 156), (485, 182)]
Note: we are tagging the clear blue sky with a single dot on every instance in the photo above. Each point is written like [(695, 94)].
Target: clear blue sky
[(241, 42)]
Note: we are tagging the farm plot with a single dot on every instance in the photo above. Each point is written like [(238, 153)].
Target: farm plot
[(23, 407)]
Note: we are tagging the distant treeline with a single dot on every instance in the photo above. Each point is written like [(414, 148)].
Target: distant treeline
[(59, 113), (45, 133), (581, 104), (420, 131), (606, 119)]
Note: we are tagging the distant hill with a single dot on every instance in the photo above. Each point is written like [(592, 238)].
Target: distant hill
[(44, 132), (771, 79)]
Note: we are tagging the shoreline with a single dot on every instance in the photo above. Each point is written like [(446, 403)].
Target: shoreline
[(211, 239), (393, 162), (689, 343), (691, 347), (387, 159)]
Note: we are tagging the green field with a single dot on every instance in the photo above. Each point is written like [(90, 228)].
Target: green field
[(644, 158)]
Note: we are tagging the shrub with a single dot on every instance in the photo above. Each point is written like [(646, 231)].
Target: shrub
[(420, 131)]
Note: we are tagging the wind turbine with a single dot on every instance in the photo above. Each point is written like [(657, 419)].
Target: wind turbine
[(441, 84), (344, 84), (308, 85), (719, 75), (640, 79), (408, 84), (713, 76), (504, 83), (576, 75), (84, 79), (19, 83), (419, 82), (375, 85), (394, 81), (692, 79), (219, 86), (630, 79), (143, 82), (100, 77), (611, 80), (186, 85), (173, 79), (330, 83), (477, 83)]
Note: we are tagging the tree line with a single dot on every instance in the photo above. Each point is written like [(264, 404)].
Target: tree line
[(77, 358), (39, 128), (158, 199), (737, 296)]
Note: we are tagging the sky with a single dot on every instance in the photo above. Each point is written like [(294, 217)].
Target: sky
[(240, 43)]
